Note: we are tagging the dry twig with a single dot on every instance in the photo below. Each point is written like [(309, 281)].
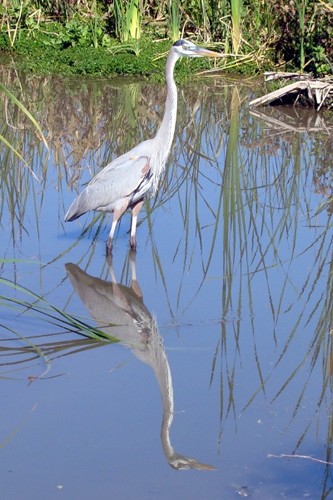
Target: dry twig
[(307, 457)]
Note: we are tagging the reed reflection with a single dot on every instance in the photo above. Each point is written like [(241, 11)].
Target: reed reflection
[(120, 311), (23, 362)]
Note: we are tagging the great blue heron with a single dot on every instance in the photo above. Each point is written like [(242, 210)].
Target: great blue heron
[(119, 311), (123, 183)]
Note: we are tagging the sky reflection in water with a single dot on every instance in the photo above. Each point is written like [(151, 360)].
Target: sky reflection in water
[(232, 360)]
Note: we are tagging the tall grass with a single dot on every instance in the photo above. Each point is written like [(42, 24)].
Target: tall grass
[(174, 19), (53, 315), (236, 16), (298, 34), (12, 17), (128, 20), (256, 181), (301, 6)]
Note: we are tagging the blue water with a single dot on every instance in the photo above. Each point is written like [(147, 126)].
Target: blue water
[(234, 265)]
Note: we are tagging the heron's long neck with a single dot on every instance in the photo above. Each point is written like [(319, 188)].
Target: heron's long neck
[(167, 128)]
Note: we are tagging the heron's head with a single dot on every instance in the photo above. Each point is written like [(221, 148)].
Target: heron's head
[(180, 462), (185, 48)]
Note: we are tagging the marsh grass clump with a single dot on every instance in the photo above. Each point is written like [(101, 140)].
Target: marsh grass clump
[(33, 305), (254, 35)]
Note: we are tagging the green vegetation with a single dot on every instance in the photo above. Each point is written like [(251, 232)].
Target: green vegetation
[(63, 321), (102, 37)]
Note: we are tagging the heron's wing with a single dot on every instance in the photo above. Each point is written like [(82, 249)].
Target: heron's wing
[(111, 186), (121, 178), (114, 307), (128, 160)]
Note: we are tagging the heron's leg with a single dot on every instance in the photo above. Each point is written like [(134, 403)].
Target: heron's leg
[(111, 270), (135, 210), (109, 242), (116, 216), (134, 282)]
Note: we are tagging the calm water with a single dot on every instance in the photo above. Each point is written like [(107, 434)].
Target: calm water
[(230, 371)]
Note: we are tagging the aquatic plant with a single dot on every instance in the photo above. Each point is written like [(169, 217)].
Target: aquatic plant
[(50, 313), (295, 34), (174, 19), (236, 17), (128, 20)]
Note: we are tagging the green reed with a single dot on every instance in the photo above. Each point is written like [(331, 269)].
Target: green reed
[(236, 17), (301, 6), (242, 28), (128, 18), (39, 307), (242, 220), (174, 19)]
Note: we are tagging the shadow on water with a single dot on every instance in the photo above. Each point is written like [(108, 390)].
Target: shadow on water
[(235, 259)]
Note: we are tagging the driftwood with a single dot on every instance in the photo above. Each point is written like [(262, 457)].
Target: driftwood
[(306, 91)]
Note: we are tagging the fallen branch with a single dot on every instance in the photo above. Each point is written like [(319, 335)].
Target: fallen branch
[(306, 91)]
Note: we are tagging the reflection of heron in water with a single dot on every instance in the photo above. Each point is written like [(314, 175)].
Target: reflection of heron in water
[(124, 182), (119, 310)]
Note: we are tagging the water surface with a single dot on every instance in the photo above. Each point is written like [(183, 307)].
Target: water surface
[(223, 386)]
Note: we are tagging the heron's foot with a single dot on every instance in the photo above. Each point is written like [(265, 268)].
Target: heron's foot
[(109, 246)]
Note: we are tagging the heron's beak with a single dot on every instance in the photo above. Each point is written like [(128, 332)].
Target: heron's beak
[(201, 52)]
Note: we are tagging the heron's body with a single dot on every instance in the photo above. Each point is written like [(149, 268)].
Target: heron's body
[(124, 182)]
